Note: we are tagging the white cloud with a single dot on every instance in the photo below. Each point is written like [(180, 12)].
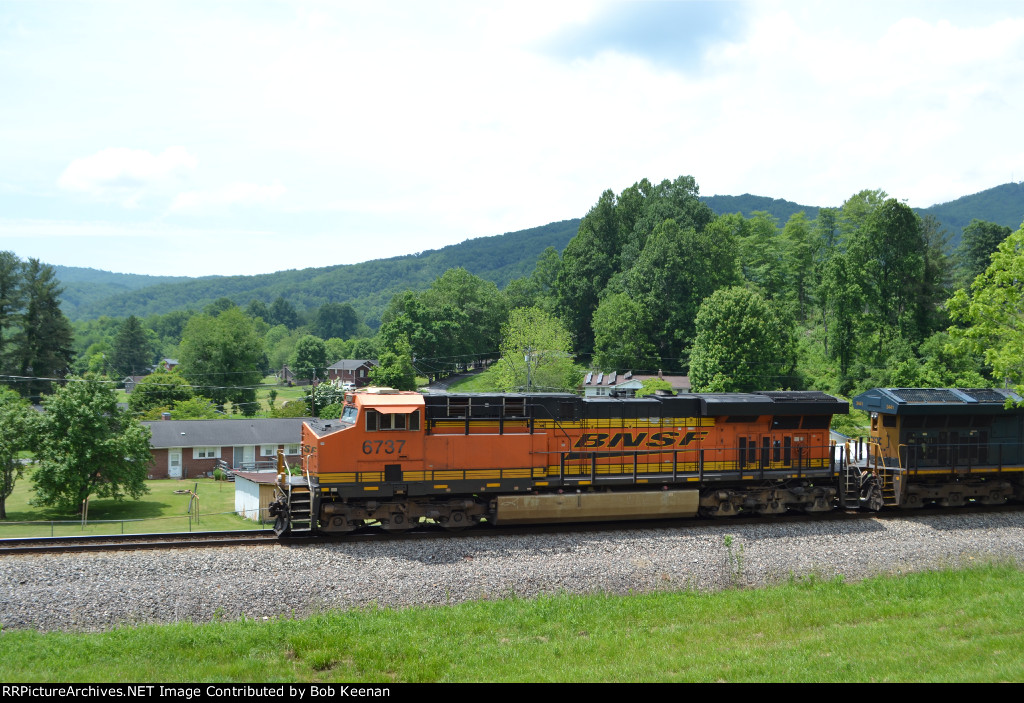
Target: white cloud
[(231, 194), (124, 174)]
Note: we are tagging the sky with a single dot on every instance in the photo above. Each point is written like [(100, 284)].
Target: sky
[(226, 138)]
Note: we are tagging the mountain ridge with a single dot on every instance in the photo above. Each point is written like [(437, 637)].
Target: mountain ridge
[(369, 285)]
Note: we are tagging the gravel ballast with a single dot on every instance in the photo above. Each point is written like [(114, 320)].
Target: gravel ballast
[(99, 591)]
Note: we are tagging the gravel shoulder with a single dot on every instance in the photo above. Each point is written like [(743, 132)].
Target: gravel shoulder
[(92, 592)]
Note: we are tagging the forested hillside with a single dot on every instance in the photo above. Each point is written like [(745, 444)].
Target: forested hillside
[(1002, 205), (84, 287), (367, 286)]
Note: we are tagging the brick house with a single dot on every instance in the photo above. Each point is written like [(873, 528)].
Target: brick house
[(193, 448), (354, 371)]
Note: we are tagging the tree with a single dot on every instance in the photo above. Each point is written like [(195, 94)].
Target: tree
[(536, 354), (800, 250), (888, 253), (218, 306), (623, 328), (10, 304), (993, 312), (223, 356), (160, 389), (283, 313), (310, 358), (336, 320), (979, 241), (742, 344), (650, 386), (194, 408), (395, 369), (43, 343), (257, 308), (88, 446), (17, 423), (132, 353), (677, 269)]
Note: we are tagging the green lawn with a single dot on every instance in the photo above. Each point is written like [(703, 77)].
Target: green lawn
[(163, 509), (938, 626)]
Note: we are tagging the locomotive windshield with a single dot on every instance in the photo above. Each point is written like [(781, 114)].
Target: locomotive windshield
[(349, 414)]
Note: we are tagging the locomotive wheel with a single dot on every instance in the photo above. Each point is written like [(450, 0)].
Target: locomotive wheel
[(994, 497), (281, 525), (455, 522), (398, 522)]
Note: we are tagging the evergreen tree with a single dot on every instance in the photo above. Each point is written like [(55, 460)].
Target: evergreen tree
[(43, 344), (132, 354), (10, 306)]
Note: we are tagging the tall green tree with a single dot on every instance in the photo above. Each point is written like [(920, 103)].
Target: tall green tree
[(800, 248), (336, 320), (992, 313), (43, 344), (132, 353), (536, 354), (88, 446), (888, 252), (395, 369), (223, 356), (11, 293), (623, 332), (979, 241), (283, 313), (743, 344), (310, 358), (678, 268), (17, 432)]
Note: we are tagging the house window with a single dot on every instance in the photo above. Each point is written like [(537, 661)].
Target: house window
[(268, 450), (292, 449), (206, 452)]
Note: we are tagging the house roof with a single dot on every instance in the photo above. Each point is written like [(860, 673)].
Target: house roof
[(224, 433), (269, 477), (351, 364), (614, 379)]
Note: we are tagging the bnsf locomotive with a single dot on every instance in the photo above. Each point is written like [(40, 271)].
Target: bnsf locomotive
[(394, 458)]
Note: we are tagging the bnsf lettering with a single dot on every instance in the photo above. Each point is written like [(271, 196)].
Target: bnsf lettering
[(663, 439), (627, 439), (591, 440)]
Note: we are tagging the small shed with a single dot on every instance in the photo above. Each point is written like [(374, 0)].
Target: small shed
[(254, 492)]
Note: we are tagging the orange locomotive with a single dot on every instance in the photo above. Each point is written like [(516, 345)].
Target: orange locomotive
[(398, 458)]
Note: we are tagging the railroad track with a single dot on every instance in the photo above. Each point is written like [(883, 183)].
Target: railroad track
[(107, 543), (192, 540)]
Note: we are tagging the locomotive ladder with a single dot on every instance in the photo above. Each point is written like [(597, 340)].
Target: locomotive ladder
[(300, 507)]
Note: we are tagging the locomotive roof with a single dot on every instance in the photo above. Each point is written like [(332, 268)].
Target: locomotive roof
[(938, 401), (683, 405)]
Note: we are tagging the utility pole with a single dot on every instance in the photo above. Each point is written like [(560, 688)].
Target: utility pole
[(529, 374)]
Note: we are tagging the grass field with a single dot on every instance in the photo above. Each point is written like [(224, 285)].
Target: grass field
[(163, 509), (938, 626)]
